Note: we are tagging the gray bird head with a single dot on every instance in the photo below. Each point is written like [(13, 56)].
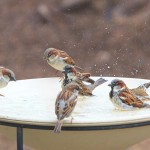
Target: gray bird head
[(117, 84), (48, 52)]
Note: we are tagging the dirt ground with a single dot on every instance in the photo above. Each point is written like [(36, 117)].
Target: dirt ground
[(109, 38), (105, 38)]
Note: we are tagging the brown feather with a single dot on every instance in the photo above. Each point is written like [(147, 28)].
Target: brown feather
[(130, 99), (85, 77), (65, 95), (67, 59), (84, 90), (139, 92)]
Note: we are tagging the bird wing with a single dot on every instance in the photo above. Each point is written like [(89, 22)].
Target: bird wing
[(128, 98), (84, 89), (57, 103), (139, 91), (69, 100), (66, 58), (85, 77)]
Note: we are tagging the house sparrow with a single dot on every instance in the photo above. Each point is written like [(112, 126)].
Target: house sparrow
[(58, 59), (141, 93), (65, 104), (123, 98), (72, 75), (6, 75)]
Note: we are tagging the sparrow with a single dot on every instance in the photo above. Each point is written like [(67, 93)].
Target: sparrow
[(58, 59), (123, 98), (6, 75), (65, 104), (141, 93), (71, 75)]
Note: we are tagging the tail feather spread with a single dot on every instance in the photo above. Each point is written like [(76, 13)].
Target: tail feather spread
[(78, 67), (147, 85), (96, 83), (146, 105), (99, 82)]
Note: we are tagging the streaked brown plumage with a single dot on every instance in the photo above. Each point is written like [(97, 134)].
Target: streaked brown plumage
[(141, 93), (58, 59), (72, 75), (123, 98), (65, 104)]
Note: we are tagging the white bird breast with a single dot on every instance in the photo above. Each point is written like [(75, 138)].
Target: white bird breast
[(119, 104), (58, 63), (3, 81)]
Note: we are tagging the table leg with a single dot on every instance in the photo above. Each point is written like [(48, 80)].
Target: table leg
[(19, 138)]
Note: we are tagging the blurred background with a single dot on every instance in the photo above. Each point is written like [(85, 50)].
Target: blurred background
[(104, 37)]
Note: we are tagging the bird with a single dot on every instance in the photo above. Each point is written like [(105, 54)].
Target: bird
[(123, 98), (71, 75), (65, 104), (6, 75), (141, 93), (58, 59)]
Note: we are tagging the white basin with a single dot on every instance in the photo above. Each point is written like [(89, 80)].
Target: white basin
[(31, 103)]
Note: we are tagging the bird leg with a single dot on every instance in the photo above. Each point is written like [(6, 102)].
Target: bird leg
[(71, 119)]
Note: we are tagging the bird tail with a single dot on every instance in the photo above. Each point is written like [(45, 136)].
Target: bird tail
[(79, 68), (57, 128), (146, 105), (146, 85), (96, 84), (99, 82)]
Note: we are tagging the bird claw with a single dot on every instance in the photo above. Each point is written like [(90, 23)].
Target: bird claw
[(72, 120)]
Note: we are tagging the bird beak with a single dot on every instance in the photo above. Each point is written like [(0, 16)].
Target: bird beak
[(12, 79)]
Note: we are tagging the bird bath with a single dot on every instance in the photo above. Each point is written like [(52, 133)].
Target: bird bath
[(30, 104)]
